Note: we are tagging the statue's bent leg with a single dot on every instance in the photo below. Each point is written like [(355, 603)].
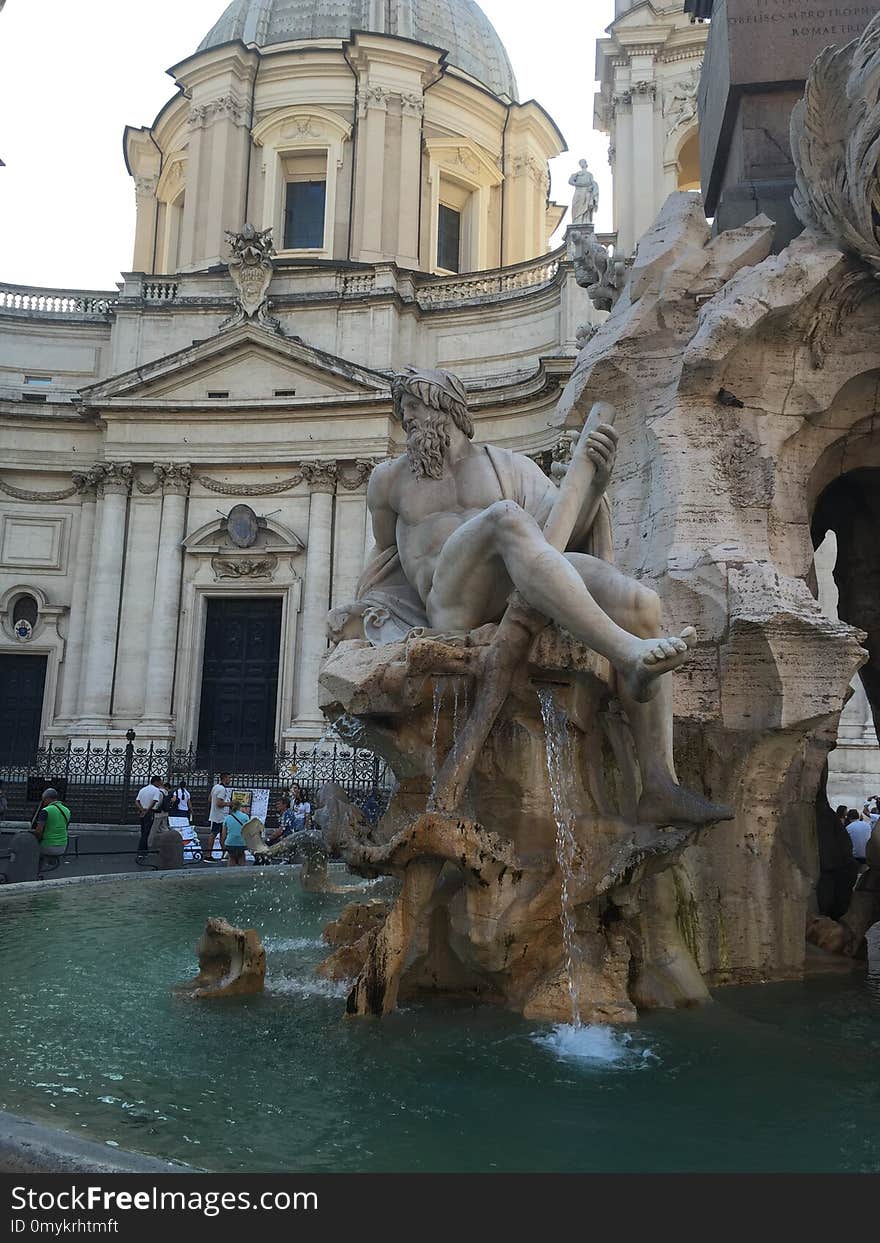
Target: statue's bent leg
[(637, 608), (467, 587)]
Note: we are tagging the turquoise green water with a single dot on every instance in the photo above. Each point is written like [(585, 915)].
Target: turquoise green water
[(778, 1078)]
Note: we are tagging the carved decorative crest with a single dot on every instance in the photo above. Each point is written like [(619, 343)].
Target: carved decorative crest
[(250, 266)]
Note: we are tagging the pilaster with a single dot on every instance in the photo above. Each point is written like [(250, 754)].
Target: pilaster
[(322, 479)]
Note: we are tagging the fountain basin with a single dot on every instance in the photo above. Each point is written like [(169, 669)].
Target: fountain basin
[(93, 1040)]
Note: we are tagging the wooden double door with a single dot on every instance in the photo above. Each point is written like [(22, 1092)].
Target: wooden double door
[(239, 696), (22, 686)]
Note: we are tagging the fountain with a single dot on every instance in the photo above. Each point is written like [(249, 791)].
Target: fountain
[(529, 838)]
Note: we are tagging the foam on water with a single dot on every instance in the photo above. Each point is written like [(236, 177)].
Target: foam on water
[(280, 945), (593, 1044), (299, 986)]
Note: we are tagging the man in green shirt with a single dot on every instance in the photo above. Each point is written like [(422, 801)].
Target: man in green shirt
[(50, 825)]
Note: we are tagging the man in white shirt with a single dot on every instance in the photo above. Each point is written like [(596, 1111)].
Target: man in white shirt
[(149, 797), (221, 801), (859, 831)]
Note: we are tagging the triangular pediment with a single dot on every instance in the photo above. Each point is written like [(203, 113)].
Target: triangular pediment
[(246, 365)]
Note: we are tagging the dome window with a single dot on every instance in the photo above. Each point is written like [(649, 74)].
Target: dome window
[(305, 201), (449, 239)]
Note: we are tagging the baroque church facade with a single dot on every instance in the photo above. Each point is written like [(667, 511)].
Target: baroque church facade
[(183, 496)]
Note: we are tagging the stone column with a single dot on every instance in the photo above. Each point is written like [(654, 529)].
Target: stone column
[(348, 544), (644, 155), (321, 477), (138, 583), (147, 208), (76, 628), (105, 587), (166, 598), (371, 162), (412, 107)]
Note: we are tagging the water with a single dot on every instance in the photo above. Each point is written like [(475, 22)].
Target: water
[(436, 709), (779, 1078), (560, 766)]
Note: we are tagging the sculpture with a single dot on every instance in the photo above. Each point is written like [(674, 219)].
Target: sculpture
[(595, 268), (477, 551), (250, 266), (585, 202), (232, 962)]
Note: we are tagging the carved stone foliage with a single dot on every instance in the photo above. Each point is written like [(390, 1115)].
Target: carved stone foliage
[(249, 489), (412, 105), (250, 266), (244, 567), (215, 109), (115, 477), (835, 140), (357, 476), (321, 476)]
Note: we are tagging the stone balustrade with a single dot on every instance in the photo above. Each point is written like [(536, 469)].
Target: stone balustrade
[(30, 300), (498, 283), (429, 292), (159, 290)]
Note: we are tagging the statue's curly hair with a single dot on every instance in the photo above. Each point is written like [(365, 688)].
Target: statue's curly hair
[(440, 390)]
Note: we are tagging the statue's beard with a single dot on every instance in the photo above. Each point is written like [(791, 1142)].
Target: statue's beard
[(426, 448)]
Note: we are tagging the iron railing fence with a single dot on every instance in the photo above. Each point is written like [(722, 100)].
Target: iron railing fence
[(100, 783)]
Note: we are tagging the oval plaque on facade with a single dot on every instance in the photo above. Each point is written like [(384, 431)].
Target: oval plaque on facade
[(242, 526)]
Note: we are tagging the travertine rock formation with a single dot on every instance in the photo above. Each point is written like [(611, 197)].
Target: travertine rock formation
[(232, 962), (741, 398), (482, 917)]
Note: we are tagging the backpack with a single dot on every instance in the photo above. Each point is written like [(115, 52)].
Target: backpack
[(169, 802)]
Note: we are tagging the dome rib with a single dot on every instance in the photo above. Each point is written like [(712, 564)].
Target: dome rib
[(460, 27)]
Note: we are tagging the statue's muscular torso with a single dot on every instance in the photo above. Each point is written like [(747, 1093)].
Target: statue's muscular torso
[(419, 515)]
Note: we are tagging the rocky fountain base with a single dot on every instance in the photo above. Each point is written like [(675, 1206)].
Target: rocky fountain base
[(541, 892)]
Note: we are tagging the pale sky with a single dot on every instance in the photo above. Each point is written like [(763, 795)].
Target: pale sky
[(74, 73)]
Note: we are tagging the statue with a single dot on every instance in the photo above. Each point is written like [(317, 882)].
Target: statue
[(586, 195), (489, 583), (460, 527), (250, 266)]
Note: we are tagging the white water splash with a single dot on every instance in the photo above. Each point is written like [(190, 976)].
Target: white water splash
[(560, 766), (297, 986), (595, 1044), (280, 945)]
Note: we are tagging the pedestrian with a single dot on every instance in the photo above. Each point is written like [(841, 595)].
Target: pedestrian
[(840, 811), (4, 802), (49, 825), (221, 796), (285, 821), (301, 808), (372, 807), (182, 800), (231, 840), (148, 801), (859, 831)]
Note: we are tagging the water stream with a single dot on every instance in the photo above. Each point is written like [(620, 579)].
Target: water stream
[(437, 707), (560, 765)]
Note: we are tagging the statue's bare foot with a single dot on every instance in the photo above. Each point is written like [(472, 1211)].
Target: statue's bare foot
[(673, 805), (654, 657)]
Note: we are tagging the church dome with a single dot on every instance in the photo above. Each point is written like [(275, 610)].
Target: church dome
[(460, 27)]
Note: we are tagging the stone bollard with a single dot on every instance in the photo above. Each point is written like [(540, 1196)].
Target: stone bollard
[(169, 850), (24, 861)]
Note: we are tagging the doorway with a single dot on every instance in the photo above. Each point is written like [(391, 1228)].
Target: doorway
[(22, 684), (240, 684)]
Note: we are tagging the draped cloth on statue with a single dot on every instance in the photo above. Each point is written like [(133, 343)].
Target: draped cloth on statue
[(395, 607)]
